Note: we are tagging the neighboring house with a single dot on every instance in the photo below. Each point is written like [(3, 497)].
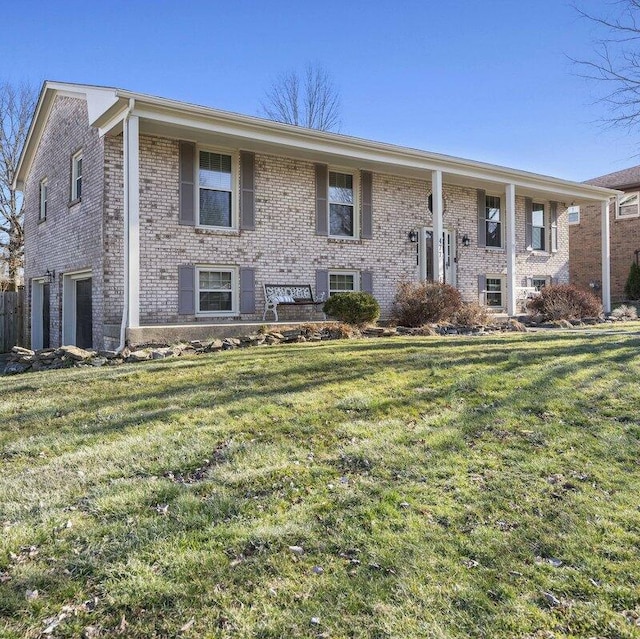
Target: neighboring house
[(147, 217), (585, 234)]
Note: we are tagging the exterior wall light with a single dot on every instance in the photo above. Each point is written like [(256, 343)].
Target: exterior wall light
[(413, 236), (465, 240), (50, 276)]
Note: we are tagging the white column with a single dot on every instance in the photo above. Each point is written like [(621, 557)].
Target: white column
[(606, 258), (132, 217), (510, 201), (438, 249)]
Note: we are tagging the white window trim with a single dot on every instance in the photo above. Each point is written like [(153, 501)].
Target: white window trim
[(42, 213), (355, 174), (235, 187), (618, 206), (356, 281), (503, 290), (500, 196), (74, 176), (569, 212), (235, 289), (545, 278), (545, 227)]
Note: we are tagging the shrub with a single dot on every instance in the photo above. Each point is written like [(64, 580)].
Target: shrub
[(632, 287), (625, 312), (472, 314), (418, 303), (356, 308), (565, 301)]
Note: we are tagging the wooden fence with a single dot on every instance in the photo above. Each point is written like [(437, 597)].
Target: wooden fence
[(11, 319)]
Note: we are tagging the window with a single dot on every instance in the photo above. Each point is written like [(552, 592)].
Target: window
[(342, 282), (342, 222), (574, 214), (628, 205), (215, 183), (216, 290), (76, 176), (492, 222), (493, 295), (43, 199), (537, 227), (538, 282)]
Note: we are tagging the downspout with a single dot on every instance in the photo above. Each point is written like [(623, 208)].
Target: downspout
[(125, 170)]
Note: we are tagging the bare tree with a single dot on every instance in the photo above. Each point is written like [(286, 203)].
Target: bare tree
[(309, 99), (616, 61), (16, 108)]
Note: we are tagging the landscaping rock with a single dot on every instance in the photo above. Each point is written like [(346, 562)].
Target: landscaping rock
[(139, 356), (214, 346), (75, 353), (108, 354), (14, 368), (98, 361), (22, 352)]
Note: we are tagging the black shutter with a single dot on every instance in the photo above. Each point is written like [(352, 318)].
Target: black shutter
[(187, 184), (247, 191), (482, 287), (247, 290), (553, 226), (322, 285), (482, 217), (367, 205), (186, 290), (528, 218), (366, 281), (322, 199)]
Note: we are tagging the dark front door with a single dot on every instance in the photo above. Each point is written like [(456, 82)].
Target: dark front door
[(84, 314), (46, 296)]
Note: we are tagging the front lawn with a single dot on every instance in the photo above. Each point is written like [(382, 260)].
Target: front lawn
[(405, 488)]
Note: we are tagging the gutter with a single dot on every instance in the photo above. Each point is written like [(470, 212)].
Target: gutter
[(126, 215)]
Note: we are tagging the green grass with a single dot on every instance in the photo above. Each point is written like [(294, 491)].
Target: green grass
[(431, 480)]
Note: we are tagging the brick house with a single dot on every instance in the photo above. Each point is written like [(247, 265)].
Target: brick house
[(149, 218), (585, 234)]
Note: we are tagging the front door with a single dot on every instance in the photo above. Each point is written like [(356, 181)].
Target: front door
[(84, 314), (447, 256)]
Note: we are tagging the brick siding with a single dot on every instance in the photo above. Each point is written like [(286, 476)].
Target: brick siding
[(283, 248), (585, 254)]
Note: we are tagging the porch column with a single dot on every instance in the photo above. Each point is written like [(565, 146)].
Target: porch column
[(606, 257), (438, 248), (132, 218), (510, 199)]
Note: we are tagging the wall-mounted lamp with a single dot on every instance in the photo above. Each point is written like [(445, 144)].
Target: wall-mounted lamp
[(595, 285), (50, 276), (413, 236), (465, 240)]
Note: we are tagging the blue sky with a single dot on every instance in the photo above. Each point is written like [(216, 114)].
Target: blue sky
[(483, 79)]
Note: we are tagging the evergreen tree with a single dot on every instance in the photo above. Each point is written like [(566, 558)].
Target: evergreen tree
[(632, 287)]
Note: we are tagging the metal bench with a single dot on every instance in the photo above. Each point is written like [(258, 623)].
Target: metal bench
[(288, 295), (524, 294)]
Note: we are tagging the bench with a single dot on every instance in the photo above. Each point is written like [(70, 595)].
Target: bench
[(524, 294), (288, 295)]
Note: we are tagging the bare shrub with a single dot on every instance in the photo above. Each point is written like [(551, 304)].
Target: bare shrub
[(565, 302), (472, 314), (625, 312), (418, 303)]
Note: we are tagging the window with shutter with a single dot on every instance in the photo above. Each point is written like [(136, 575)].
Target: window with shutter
[(216, 189), (216, 290)]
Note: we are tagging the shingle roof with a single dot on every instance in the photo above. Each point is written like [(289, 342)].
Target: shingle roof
[(619, 180)]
